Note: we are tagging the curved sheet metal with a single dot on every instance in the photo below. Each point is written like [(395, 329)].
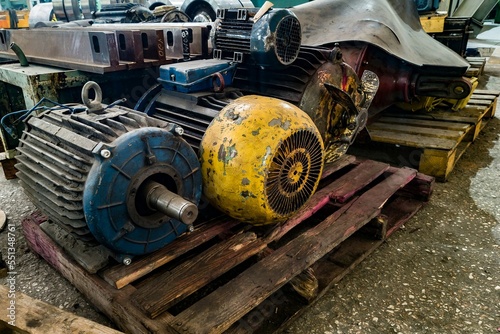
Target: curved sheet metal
[(392, 25)]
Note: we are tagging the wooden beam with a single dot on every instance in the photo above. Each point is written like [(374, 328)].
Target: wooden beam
[(36, 317)]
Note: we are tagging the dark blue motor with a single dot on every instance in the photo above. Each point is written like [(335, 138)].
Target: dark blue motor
[(427, 5), (111, 174)]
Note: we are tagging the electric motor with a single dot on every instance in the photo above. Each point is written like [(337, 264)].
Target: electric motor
[(261, 159), (270, 40), (110, 174)]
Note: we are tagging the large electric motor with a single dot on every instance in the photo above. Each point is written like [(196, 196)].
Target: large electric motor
[(112, 174), (261, 159), (268, 40)]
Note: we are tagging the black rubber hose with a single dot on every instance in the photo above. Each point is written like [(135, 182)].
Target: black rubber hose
[(20, 54)]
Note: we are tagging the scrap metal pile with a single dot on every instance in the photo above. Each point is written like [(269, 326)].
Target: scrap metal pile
[(247, 111)]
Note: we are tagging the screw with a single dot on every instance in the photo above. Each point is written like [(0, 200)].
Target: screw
[(127, 261), (459, 90), (105, 153), (178, 130), (190, 228)]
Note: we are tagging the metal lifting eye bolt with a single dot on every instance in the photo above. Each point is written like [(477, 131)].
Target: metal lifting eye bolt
[(159, 198)]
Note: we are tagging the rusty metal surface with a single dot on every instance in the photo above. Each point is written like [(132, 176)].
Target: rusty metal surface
[(392, 25)]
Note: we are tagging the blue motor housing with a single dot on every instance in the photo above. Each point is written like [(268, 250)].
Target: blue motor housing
[(427, 5), (112, 174), (114, 201)]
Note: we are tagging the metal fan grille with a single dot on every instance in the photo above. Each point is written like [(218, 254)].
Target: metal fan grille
[(288, 38), (294, 172)]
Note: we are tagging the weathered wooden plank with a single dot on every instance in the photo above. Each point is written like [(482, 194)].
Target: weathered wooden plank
[(8, 168), (36, 317), (479, 102), (417, 130), (460, 116), (157, 295), (399, 211), (344, 188), (425, 123), (484, 97), (342, 162), (411, 140), (121, 275), (487, 92), (243, 293), (340, 190), (112, 302), (421, 187)]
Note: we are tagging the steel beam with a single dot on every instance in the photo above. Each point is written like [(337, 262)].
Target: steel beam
[(172, 37), (82, 50)]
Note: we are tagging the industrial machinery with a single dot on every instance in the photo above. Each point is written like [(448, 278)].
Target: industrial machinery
[(262, 156), (110, 174), (74, 10), (269, 98), (386, 37)]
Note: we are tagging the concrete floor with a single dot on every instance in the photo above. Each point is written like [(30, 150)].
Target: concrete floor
[(439, 274)]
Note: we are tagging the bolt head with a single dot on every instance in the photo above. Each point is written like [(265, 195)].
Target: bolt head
[(127, 261), (178, 130), (190, 228), (105, 153)]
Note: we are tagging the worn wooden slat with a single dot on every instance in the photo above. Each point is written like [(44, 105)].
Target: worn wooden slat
[(417, 130), (121, 275), (157, 295), (8, 168), (421, 187), (36, 317), (434, 124), (340, 189), (342, 162), (411, 140), (479, 102), (484, 97), (240, 295), (487, 92), (399, 211), (466, 115), (367, 171)]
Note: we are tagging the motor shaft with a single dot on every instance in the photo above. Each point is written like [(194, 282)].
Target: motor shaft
[(159, 198)]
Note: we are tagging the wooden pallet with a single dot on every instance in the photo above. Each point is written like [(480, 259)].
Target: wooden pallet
[(8, 167), (229, 277), (476, 68), (433, 141)]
